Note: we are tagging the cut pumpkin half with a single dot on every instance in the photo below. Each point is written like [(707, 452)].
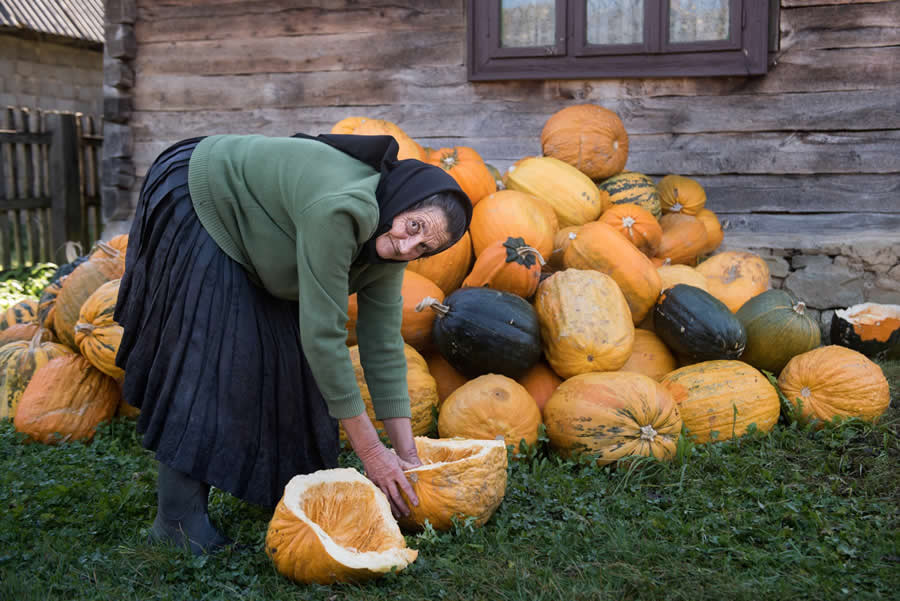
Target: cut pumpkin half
[(335, 526), (458, 477)]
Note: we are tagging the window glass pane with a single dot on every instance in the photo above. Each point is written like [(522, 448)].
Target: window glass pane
[(698, 20), (527, 23), (615, 21)]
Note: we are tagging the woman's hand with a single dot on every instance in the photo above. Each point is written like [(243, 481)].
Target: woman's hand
[(399, 431), (382, 467)]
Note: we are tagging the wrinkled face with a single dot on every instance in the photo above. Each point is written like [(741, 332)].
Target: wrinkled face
[(412, 234)]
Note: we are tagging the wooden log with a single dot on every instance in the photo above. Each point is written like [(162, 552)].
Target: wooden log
[(347, 52), (65, 190), (178, 21), (818, 111), (824, 225), (831, 27), (793, 3), (804, 71), (864, 193)]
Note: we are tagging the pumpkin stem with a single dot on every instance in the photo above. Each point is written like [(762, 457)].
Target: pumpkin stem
[(35, 340), (525, 250), (84, 327), (800, 307), (628, 222), (648, 433), (101, 245), (435, 305)]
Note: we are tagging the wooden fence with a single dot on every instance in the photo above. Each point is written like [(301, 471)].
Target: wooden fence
[(49, 185)]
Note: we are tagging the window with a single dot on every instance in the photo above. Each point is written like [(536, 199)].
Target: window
[(553, 39)]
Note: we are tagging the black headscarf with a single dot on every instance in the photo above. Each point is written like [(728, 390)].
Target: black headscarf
[(402, 184)]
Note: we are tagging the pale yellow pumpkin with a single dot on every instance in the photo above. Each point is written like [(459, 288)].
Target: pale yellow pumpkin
[(585, 322)]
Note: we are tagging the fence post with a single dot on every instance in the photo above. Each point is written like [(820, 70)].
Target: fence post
[(65, 188)]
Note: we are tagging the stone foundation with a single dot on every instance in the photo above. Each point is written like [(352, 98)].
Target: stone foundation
[(829, 273)]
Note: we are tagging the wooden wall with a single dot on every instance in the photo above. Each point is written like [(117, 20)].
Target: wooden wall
[(814, 146)]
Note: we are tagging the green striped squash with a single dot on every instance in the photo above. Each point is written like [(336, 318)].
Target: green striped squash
[(18, 362), (778, 329), (24, 311), (635, 188), (96, 333)]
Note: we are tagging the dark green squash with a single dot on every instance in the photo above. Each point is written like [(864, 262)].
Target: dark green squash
[(778, 328), (483, 331), (697, 325), (870, 328)]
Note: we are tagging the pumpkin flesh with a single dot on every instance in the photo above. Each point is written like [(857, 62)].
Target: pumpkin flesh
[(335, 526)]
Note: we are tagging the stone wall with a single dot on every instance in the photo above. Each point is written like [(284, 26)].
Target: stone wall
[(37, 73), (829, 272)]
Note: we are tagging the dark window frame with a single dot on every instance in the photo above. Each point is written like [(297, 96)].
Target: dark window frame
[(571, 57)]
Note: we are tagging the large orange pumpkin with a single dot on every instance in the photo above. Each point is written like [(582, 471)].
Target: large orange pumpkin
[(573, 196), (97, 334), (540, 381), (66, 400), (460, 478), (613, 415), (589, 137), (585, 322), (679, 194), (600, 247), (362, 126), (637, 224), (683, 239), (335, 526), (416, 327), (449, 268), (445, 375), (465, 165), (490, 407), (77, 287), (510, 266), (734, 277), (714, 233), (650, 356), (833, 381), (509, 213), (718, 400)]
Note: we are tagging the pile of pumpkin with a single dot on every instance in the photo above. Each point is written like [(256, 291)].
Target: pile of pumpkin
[(58, 378), (590, 299)]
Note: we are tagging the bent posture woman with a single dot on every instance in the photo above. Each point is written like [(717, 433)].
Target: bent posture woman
[(241, 257)]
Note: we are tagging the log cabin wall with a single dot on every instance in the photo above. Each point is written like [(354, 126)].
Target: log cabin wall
[(806, 154)]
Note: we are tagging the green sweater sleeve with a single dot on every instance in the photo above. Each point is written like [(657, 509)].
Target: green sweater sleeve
[(326, 242), (381, 347)]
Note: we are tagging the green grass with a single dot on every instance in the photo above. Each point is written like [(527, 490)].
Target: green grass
[(797, 514)]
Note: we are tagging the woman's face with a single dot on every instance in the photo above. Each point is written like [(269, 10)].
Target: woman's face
[(412, 234)]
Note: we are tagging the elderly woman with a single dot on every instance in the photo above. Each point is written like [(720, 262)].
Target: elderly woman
[(241, 258)]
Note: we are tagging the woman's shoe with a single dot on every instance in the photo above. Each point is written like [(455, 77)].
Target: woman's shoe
[(182, 514)]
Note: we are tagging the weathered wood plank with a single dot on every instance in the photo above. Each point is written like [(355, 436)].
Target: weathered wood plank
[(824, 225), (806, 71), (714, 154), (817, 111), (343, 52), (854, 26), (177, 21), (865, 193), (695, 155)]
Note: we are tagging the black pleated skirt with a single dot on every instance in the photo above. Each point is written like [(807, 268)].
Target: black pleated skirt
[(212, 360)]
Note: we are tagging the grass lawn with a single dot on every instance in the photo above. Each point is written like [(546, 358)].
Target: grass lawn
[(795, 514)]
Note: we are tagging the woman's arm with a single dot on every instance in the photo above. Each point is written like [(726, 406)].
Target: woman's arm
[(383, 468)]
